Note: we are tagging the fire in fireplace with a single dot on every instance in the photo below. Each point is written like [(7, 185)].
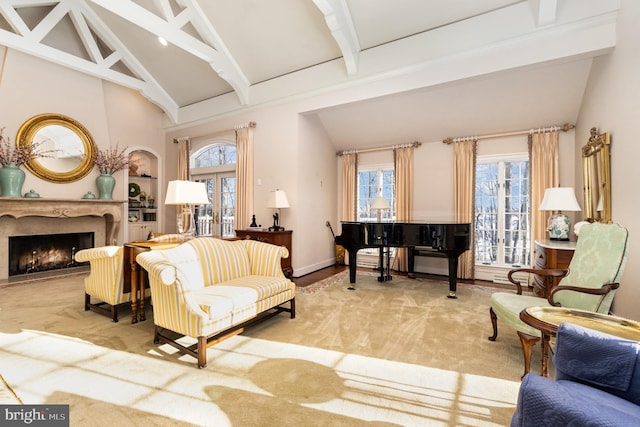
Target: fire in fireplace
[(39, 253)]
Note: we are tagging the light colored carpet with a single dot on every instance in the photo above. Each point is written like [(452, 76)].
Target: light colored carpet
[(394, 353)]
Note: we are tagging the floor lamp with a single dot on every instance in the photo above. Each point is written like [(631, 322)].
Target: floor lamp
[(187, 194)]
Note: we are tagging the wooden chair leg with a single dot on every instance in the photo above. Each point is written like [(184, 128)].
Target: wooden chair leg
[(528, 342), (87, 302), (494, 323), (293, 308), (156, 333), (202, 352), (114, 313)]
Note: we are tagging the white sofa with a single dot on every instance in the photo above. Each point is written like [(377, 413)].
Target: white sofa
[(210, 289)]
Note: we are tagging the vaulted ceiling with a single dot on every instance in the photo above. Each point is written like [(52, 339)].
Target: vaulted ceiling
[(226, 55)]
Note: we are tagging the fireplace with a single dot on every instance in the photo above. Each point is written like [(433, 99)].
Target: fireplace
[(40, 253), (21, 216)]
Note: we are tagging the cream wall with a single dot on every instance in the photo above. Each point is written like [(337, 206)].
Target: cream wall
[(112, 114), (612, 104)]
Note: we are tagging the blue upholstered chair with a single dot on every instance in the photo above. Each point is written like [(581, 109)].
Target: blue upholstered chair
[(597, 383), (588, 284)]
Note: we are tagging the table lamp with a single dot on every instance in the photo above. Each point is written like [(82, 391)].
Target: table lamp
[(187, 194), (558, 199), (278, 200), (379, 204)]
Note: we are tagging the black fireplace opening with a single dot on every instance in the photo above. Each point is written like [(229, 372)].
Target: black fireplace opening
[(38, 253)]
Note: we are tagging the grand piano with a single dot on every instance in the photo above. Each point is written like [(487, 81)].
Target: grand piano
[(448, 240)]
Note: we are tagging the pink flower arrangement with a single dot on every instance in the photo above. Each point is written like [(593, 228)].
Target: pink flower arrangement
[(19, 154), (111, 160)]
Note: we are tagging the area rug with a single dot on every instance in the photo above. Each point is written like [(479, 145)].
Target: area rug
[(394, 353), (321, 284)]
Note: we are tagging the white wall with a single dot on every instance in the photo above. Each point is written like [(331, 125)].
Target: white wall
[(612, 104), (112, 114)]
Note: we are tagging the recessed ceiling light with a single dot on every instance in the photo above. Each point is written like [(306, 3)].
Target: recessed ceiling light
[(162, 41)]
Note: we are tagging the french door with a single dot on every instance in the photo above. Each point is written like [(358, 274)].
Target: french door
[(217, 218)]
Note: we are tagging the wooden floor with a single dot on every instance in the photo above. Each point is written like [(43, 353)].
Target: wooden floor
[(318, 275)]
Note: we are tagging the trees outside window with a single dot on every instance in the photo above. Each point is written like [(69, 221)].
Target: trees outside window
[(369, 183), (502, 214)]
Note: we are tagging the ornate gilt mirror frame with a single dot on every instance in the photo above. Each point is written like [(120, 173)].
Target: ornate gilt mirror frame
[(597, 177), (73, 146)]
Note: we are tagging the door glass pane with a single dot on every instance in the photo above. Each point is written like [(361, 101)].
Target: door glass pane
[(227, 206), (204, 213), (486, 221), (516, 243)]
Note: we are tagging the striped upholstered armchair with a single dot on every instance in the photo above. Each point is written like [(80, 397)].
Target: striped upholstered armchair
[(105, 281)]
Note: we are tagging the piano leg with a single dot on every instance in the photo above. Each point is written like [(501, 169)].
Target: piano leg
[(353, 267), (385, 268), (453, 272), (410, 262)]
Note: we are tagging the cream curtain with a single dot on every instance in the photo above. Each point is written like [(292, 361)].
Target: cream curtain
[(403, 173), (349, 186), (464, 178), (184, 149), (244, 176), (543, 155)]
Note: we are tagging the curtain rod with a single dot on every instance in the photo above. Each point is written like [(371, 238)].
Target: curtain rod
[(564, 128), (246, 125), (415, 144)]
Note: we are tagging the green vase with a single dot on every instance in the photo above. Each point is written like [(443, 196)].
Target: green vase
[(11, 180), (105, 184)]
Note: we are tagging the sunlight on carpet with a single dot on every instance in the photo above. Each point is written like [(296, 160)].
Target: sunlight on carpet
[(316, 384), (374, 356)]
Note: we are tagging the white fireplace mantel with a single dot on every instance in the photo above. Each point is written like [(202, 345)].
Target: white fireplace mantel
[(19, 207)]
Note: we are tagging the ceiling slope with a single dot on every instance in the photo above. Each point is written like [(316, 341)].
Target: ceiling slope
[(224, 56)]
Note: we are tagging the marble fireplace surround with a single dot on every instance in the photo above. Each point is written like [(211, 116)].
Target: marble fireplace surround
[(32, 216)]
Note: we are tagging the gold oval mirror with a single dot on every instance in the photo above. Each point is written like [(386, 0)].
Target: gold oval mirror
[(597, 177), (72, 146)]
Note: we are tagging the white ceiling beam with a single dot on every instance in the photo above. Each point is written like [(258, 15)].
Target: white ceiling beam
[(52, 19), (14, 20), (338, 18), (217, 56), (164, 8), (84, 32), (544, 11), (223, 63), (146, 20)]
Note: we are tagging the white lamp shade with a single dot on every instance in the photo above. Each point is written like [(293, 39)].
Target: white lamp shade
[(278, 199), (559, 199), (380, 203), (186, 193)]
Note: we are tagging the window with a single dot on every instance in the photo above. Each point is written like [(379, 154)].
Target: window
[(369, 182), (502, 211), (215, 166), (215, 155)]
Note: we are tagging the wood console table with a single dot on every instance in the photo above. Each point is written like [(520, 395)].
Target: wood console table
[(135, 277), (279, 238), (551, 254)]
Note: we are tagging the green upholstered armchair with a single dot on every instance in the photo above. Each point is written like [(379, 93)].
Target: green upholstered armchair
[(588, 284)]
